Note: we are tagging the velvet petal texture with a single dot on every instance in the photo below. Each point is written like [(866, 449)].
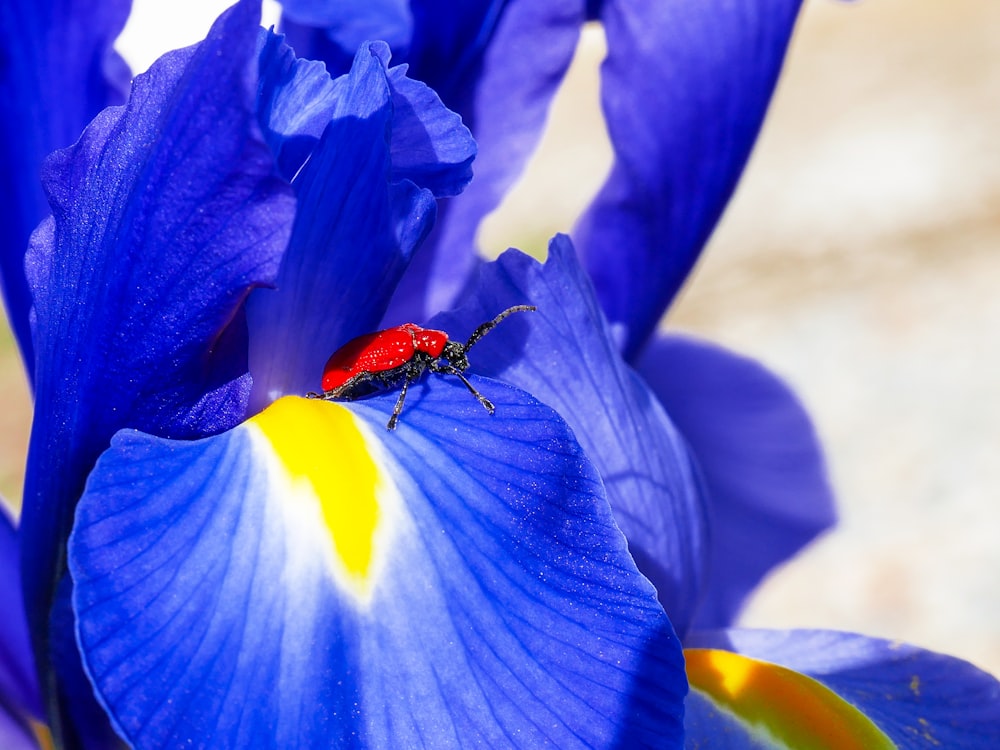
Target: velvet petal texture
[(311, 579), (917, 699), (58, 70), (165, 214), (564, 354), (684, 89), (768, 491), (365, 201)]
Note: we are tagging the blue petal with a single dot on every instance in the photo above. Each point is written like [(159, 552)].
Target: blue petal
[(563, 354), (295, 102), (498, 65), (58, 71), (313, 580), (684, 88), (14, 733), (19, 695), (359, 219), (347, 24), (918, 698), (430, 145), (444, 41), (760, 457), (313, 43), (166, 213)]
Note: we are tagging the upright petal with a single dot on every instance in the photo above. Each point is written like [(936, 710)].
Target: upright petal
[(296, 99), (364, 203), (768, 491), (58, 71), (911, 697), (684, 89), (313, 580), (564, 355), (498, 65), (165, 214), (431, 147)]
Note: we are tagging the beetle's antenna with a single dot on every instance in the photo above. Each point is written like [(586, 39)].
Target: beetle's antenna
[(490, 325)]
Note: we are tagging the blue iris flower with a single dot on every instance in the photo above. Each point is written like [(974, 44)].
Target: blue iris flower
[(254, 570)]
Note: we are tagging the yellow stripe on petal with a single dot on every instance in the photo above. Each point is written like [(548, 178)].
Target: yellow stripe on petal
[(790, 708), (325, 457), (42, 735)]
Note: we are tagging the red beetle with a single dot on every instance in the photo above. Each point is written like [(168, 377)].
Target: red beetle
[(382, 359)]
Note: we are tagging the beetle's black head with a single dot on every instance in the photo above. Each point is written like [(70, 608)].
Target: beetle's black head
[(454, 352)]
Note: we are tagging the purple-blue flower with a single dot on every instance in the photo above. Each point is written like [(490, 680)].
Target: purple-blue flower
[(297, 576), (209, 559)]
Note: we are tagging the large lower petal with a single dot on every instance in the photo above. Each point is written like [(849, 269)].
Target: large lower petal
[(311, 579), (826, 689), (564, 355), (360, 217), (165, 214), (684, 88), (761, 460), (58, 70)]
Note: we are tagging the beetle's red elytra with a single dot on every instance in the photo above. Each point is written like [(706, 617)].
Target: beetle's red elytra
[(383, 359)]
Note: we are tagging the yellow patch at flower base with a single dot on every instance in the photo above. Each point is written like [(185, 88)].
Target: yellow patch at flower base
[(789, 708), (326, 463)]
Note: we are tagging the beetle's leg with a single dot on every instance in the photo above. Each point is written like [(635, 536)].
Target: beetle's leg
[(325, 395), (410, 377), (398, 408), (487, 404)]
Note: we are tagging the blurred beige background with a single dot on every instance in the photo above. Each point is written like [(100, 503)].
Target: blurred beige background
[(860, 261)]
